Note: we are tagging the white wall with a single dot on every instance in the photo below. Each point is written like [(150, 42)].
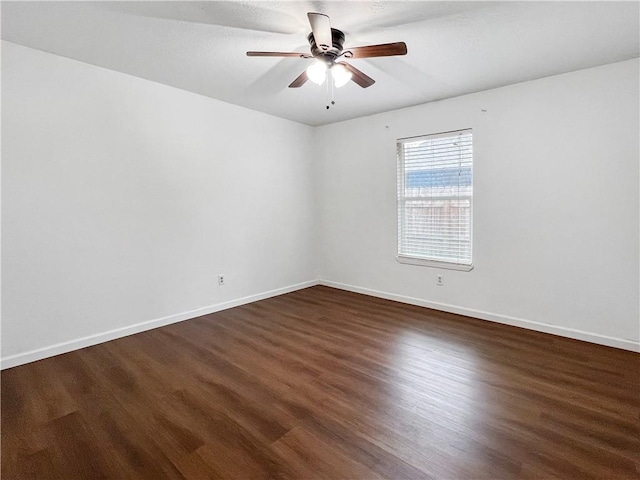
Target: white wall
[(555, 213), (123, 199)]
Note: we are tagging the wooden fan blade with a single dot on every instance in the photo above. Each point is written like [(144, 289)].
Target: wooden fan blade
[(358, 77), (382, 50), (301, 80), (321, 28), (278, 54)]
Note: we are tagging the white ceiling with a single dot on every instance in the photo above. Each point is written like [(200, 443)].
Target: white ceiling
[(454, 47)]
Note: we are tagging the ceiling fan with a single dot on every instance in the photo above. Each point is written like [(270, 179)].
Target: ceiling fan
[(326, 47)]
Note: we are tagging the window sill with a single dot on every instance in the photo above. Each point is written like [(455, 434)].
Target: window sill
[(433, 263)]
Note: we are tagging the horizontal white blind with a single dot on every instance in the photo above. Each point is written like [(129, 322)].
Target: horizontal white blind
[(435, 196)]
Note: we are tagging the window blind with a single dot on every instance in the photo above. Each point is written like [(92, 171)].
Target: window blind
[(435, 197)]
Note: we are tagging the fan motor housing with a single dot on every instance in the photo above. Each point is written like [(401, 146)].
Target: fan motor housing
[(337, 38)]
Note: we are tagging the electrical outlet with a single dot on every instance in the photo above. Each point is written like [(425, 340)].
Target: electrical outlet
[(440, 280), (220, 279)]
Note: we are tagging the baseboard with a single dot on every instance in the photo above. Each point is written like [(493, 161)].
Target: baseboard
[(493, 317), (64, 347)]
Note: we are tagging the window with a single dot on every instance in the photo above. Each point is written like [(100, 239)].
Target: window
[(435, 199)]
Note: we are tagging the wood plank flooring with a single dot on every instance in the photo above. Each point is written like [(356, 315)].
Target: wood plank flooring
[(322, 383)]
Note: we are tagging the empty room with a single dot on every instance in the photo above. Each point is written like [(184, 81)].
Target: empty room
[(341, 240)]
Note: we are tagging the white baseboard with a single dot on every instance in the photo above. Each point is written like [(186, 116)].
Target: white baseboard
[(494, 317), (64, 347)]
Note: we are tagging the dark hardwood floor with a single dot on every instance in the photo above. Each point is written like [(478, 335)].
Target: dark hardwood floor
[(322, 383)]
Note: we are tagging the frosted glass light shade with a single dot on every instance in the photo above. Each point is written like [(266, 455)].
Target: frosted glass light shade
[(340, 75), (317, 72)]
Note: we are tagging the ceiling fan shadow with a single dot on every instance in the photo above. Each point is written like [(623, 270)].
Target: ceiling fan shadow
[(417, 80), (225, 14), (279, 76), (405, 13)]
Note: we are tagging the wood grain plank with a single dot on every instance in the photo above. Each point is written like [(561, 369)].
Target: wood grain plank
[(322, 383)]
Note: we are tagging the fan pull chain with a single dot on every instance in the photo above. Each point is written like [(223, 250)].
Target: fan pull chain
[(328, 81), (330, 91)]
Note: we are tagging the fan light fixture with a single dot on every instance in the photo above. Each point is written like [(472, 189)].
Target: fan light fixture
[(340, 75), (317, 72)]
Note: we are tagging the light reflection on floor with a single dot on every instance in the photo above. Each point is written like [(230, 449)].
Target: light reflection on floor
[(437, 383)]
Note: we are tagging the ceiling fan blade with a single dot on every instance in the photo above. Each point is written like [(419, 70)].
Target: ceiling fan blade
[(321, 28), (382, 50), (301, 80), (358, 77), (279, 54)]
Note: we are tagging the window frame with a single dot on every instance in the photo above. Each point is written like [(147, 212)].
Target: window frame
[(400, 184)]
